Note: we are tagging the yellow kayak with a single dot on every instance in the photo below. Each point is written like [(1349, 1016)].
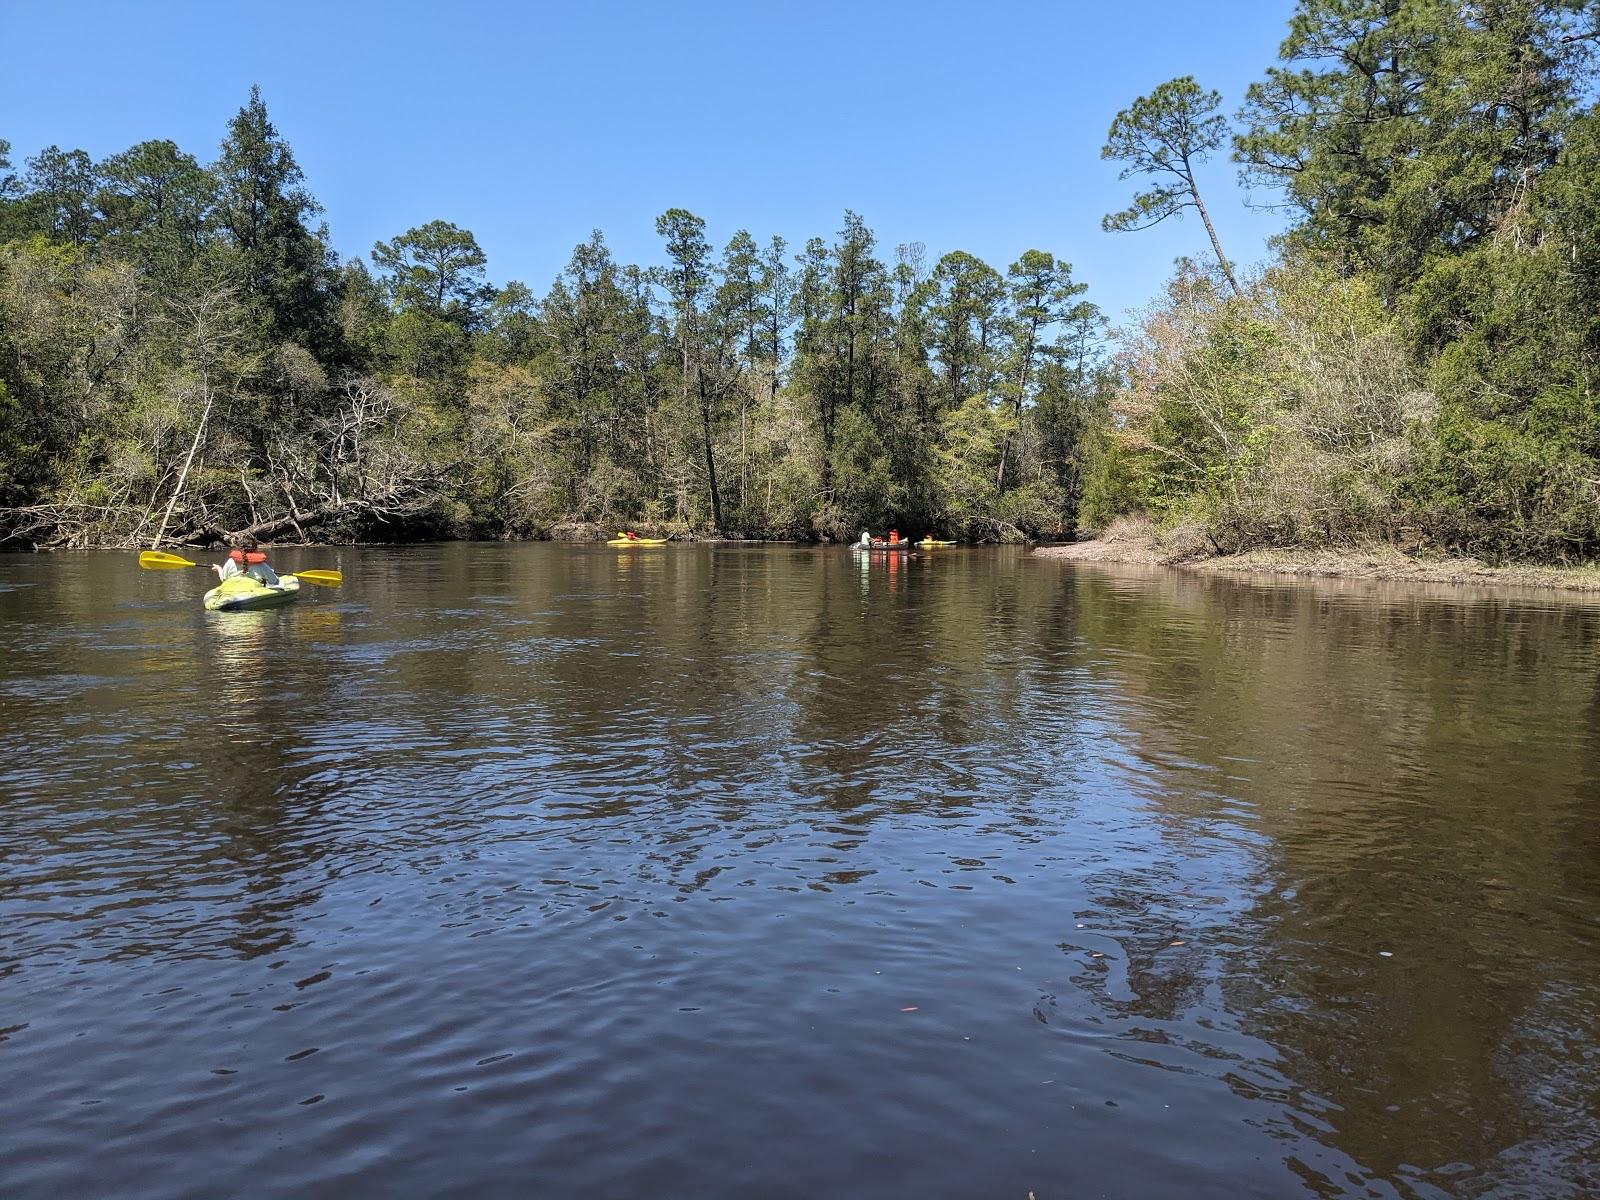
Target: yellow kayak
[(931, 542), (242, 593), (637, 542)]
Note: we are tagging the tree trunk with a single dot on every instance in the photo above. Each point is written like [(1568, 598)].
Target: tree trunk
[(828, 407), (1205, 219), (711, 460), (1022, 391), (199, 433)]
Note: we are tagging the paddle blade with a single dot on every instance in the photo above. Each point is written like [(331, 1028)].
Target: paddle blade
[(321, 578), (160, 560)]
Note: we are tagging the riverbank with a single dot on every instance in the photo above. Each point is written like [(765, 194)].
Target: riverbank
[(1128, 543)]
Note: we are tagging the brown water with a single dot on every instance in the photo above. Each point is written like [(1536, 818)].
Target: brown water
[(556, 871)]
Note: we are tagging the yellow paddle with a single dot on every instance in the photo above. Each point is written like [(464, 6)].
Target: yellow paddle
[(160, 560)]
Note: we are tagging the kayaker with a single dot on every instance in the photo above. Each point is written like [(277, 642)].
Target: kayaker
[(247, 559), (894, 537), (866, 538)]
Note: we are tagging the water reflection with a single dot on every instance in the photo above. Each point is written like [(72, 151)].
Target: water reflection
[(1183, 884), (1416, 780)]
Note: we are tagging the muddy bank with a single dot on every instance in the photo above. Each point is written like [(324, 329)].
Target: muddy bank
[(1376, 562)]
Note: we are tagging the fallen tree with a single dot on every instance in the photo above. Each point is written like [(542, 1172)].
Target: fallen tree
[(344, 474)]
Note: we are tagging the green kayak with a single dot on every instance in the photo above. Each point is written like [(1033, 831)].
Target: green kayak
[(242, 593)]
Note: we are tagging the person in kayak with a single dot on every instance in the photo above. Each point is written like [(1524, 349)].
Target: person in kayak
[(247, 559)]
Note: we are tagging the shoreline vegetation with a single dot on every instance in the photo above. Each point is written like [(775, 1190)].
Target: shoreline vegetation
[(1135, 543), (184, 359)]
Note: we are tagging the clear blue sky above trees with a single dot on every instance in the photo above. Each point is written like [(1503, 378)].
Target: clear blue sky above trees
[(962, 126)]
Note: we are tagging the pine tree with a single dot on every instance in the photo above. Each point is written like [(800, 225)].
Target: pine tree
[(283, 266), (1164, 136)]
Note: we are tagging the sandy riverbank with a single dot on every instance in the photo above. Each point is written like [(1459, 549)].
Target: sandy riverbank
[(1140, 545)]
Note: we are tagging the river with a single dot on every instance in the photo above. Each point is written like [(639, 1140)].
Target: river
[(540, 870)]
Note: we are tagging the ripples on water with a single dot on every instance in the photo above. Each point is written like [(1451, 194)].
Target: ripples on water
[(547, 870)]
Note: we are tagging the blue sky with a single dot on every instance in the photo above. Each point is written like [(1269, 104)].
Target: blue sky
[(963, 126)]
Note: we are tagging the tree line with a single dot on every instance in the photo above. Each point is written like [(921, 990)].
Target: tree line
[(184, 357), (1419, 362)]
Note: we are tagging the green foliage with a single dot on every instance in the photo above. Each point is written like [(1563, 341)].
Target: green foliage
[(1277, 418), (61, 188), (433, 279), (968, 455), (1041, 289), (283, 266), (427, 350), (600, 347), (1114, 482), (362, 314), (1423, 363), (511, 326), (843, 339), (436, 269), (1070, 423), (1504, 494), (860, 465), (1406, 130), (156, 208), (16, 452), (1163, 135), (735, 393), (963, 313)]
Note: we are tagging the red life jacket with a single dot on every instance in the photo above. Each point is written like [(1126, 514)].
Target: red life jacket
[(247, 559)]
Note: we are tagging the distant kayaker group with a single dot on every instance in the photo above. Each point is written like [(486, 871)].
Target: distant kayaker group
[(245, 580), (894, 542)]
